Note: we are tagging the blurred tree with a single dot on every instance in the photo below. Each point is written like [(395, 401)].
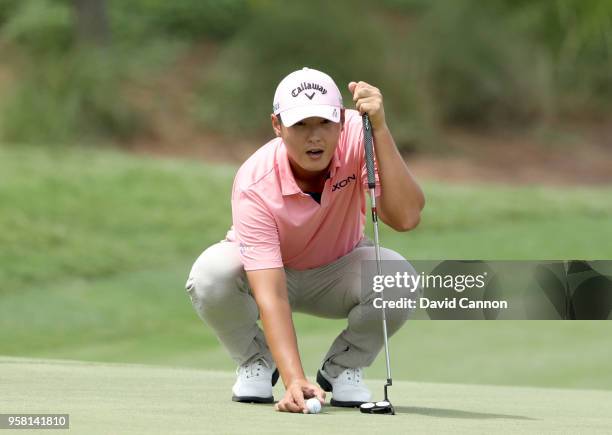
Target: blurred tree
[(41, 28), (91, 21)]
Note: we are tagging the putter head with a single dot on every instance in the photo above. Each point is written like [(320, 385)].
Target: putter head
[(382, 407)]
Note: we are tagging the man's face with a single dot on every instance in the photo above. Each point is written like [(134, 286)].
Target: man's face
[(311, 142)]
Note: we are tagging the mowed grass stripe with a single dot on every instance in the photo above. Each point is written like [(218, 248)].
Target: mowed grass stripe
[(91, 213)]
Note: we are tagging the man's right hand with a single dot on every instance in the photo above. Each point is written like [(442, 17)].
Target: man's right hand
[(296, 392), (269, 288)]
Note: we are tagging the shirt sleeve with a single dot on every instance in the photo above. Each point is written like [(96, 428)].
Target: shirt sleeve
[(256, 232)]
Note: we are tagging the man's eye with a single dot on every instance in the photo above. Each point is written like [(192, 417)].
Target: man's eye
[(325, 121), (300, 123)]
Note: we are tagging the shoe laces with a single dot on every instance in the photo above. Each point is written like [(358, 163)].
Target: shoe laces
[(253, 369), (354, 375)]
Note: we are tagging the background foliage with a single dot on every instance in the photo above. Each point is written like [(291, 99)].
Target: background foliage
[(496, 64)]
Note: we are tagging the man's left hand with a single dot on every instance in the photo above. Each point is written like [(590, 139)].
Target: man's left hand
[(368, 99)]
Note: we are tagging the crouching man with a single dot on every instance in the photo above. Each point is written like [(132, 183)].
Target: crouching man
[(297, 245)]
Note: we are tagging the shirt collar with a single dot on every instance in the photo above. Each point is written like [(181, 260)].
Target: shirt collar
[(287, 180)]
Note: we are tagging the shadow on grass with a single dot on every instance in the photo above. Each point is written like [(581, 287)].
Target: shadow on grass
[(440, 412), (455, 413)]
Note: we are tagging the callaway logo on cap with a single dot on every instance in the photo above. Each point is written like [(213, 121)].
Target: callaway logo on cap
[(306, 93)]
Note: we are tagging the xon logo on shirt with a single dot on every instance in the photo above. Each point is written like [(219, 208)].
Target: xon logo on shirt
[(343, 183)]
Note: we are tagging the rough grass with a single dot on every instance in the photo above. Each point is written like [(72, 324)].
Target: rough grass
[(77, 213)]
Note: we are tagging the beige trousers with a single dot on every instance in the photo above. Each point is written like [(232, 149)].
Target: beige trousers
[(221, 296)]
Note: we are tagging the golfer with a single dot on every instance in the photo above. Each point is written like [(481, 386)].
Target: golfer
[(297, 245)]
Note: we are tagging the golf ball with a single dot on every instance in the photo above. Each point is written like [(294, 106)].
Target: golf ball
[(313, 405)]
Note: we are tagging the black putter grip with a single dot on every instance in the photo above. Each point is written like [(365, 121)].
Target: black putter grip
[(368, 142)]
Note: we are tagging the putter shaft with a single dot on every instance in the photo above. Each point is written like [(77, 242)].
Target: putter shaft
[(369, 157), (382, 295)]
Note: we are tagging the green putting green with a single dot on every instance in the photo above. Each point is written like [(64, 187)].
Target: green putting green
[(126, 398)]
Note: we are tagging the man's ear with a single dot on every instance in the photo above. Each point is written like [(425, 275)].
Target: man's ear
[(276, 124), (342, 119)]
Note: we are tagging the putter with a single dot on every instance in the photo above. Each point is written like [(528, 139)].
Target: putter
[(384, 406)]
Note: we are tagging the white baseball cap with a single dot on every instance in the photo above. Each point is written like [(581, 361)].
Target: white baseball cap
[(305, 93)]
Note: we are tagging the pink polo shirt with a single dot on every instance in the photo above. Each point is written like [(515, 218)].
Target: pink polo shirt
[(278, 225)]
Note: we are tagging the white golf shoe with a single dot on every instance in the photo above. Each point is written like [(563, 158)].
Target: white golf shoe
[(254, 382), (348, 389)]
